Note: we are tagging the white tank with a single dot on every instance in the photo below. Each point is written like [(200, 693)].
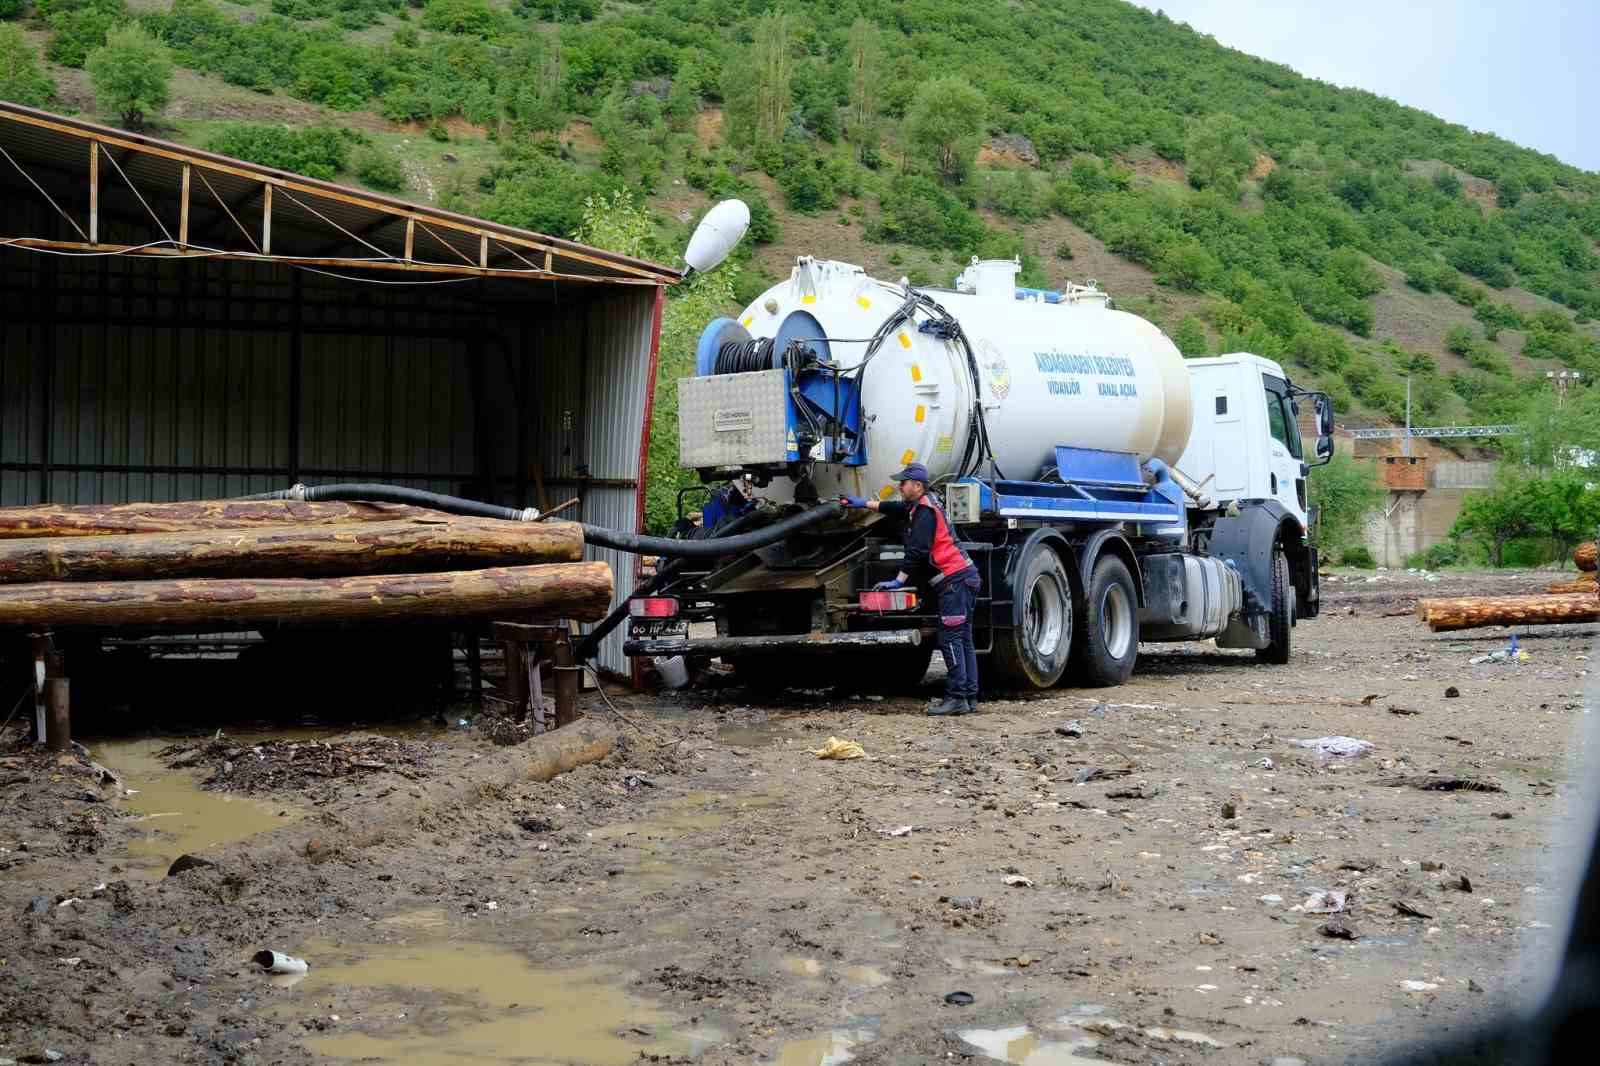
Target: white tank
[(1072, 372)]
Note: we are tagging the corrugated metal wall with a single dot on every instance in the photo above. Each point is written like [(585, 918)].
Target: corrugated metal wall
[(130, 379)]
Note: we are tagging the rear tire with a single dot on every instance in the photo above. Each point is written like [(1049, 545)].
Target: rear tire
[(1280, 613), (1108, 640), (1033, 652)]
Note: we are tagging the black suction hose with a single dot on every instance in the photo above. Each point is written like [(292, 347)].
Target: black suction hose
[(634, 543), (590, 644)]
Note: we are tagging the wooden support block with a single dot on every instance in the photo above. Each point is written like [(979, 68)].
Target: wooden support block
[(58, 720)]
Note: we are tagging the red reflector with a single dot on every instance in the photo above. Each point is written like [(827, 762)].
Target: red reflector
[(888, 600), (653, 607)]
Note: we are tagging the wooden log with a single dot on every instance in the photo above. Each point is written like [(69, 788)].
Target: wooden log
[(570, 590), (1586, 556), (436, 542), (1581, 583), (1472, 612), (554, 753), (88, 520)]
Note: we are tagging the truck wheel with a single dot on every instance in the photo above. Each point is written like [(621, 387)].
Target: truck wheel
[(1280, 612), (1033, 652), (1108, 643)]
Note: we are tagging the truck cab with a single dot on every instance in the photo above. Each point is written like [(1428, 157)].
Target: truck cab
[(1245, 445)]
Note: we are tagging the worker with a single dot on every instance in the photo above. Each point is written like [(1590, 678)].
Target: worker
[(934, 555)]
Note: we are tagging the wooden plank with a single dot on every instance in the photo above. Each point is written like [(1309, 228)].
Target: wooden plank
[(483, 249), (411, 236), (94, 192), (183, 208)]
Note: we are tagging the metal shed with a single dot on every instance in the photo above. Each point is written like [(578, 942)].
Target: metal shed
[(176, 324)]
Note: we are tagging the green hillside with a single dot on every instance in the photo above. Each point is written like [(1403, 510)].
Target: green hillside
[(1234, 202)]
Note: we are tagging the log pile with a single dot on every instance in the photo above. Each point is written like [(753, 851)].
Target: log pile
[(250, 564), (1585, 556), (1577, 600)]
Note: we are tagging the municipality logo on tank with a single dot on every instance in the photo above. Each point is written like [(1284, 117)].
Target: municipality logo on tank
[(995, 368)]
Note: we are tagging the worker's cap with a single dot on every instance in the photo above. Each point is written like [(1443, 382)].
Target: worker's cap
[(913, 472)]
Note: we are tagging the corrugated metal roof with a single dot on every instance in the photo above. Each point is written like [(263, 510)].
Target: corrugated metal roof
[(142, 178)]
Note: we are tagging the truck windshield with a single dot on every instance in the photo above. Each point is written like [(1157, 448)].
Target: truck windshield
[(1281, 422)]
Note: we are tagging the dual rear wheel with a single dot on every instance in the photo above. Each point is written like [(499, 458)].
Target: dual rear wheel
[(1054, 635)]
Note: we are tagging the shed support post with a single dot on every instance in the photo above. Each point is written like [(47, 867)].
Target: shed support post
[(183, 209), (94, 192), (58, 723), (266, 220), (411, 236)]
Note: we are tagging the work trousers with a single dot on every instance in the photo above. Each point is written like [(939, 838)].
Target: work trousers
[(957, 596)]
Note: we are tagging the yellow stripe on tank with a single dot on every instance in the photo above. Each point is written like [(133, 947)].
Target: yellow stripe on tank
[(905, 340), (916, 372), (906, 459), (745, 322), (922, 412), (866, 304), (886, 492)]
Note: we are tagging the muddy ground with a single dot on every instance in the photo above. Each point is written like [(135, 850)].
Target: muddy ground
[(1116, 875)]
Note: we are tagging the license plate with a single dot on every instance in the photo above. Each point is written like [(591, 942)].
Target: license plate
[(657, 628)]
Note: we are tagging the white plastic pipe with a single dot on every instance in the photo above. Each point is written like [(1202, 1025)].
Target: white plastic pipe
[(277, 962)]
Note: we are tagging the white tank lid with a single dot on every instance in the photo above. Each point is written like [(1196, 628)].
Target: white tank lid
[(990, 278)]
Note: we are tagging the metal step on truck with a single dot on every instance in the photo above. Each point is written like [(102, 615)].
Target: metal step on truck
[(1109, 491)]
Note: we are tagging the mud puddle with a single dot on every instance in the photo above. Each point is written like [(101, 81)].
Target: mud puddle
[(442, 1002), (695, 812), (751, 736), (1022, 1045), (174, 814), (827, 1049)]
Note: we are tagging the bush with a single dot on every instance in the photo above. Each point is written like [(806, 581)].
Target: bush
[(1344, 492), (1017, 196), (81, 28), (1190, 336), (1064, 251), (916, 210), (378, 168), (21, 79), (468, 17), (1359, 557), (315, 151), (1219, 153)]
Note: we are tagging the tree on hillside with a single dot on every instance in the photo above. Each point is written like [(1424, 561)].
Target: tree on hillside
[(1344, 493), (864, 51), (10, 9), (1219, 153), (945, 122), (1564, 432), (21, 80), (533, 98), (130, 74), (774, 75), (1190, 336)]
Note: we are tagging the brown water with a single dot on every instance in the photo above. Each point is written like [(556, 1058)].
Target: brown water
[(175, 814), (445, 1002), (826, 1049), (1023, 1046)]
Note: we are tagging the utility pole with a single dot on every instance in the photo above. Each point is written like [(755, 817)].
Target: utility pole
[(1563, 380), (1407, 445)]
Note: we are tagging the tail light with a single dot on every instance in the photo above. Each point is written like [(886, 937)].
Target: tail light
[(653, 607), (888, 600)]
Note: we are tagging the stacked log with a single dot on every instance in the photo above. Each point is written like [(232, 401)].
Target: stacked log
[(249, 564), (1471, 612), (1587, 556), (88, 520), (1581, 583), (568, 590), (407, 545)]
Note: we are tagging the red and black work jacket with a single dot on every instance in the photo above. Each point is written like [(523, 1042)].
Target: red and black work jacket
[(932, 552)]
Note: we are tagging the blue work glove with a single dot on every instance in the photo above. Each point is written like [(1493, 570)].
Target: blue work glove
[(857, 502), (886, 586)]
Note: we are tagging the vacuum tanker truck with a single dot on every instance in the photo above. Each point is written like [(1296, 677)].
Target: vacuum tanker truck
[(1109, 491)]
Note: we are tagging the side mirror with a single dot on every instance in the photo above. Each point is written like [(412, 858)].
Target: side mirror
[(1324, 449), (1324, 408)]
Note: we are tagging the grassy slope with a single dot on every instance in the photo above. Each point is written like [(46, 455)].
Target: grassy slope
[(1411, 319)]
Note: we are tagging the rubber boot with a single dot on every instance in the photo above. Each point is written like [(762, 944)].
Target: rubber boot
[(950, 705)]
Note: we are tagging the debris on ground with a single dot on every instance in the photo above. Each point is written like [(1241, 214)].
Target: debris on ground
[(290, 764), (1402, 710), (1100, 773), (1442, 784), (1410, 910), (836, 748), (959, 999), (1324, 902), (1071, 730), (1339, 928), (1019, 881), (1327, 748), (1134, 792)]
